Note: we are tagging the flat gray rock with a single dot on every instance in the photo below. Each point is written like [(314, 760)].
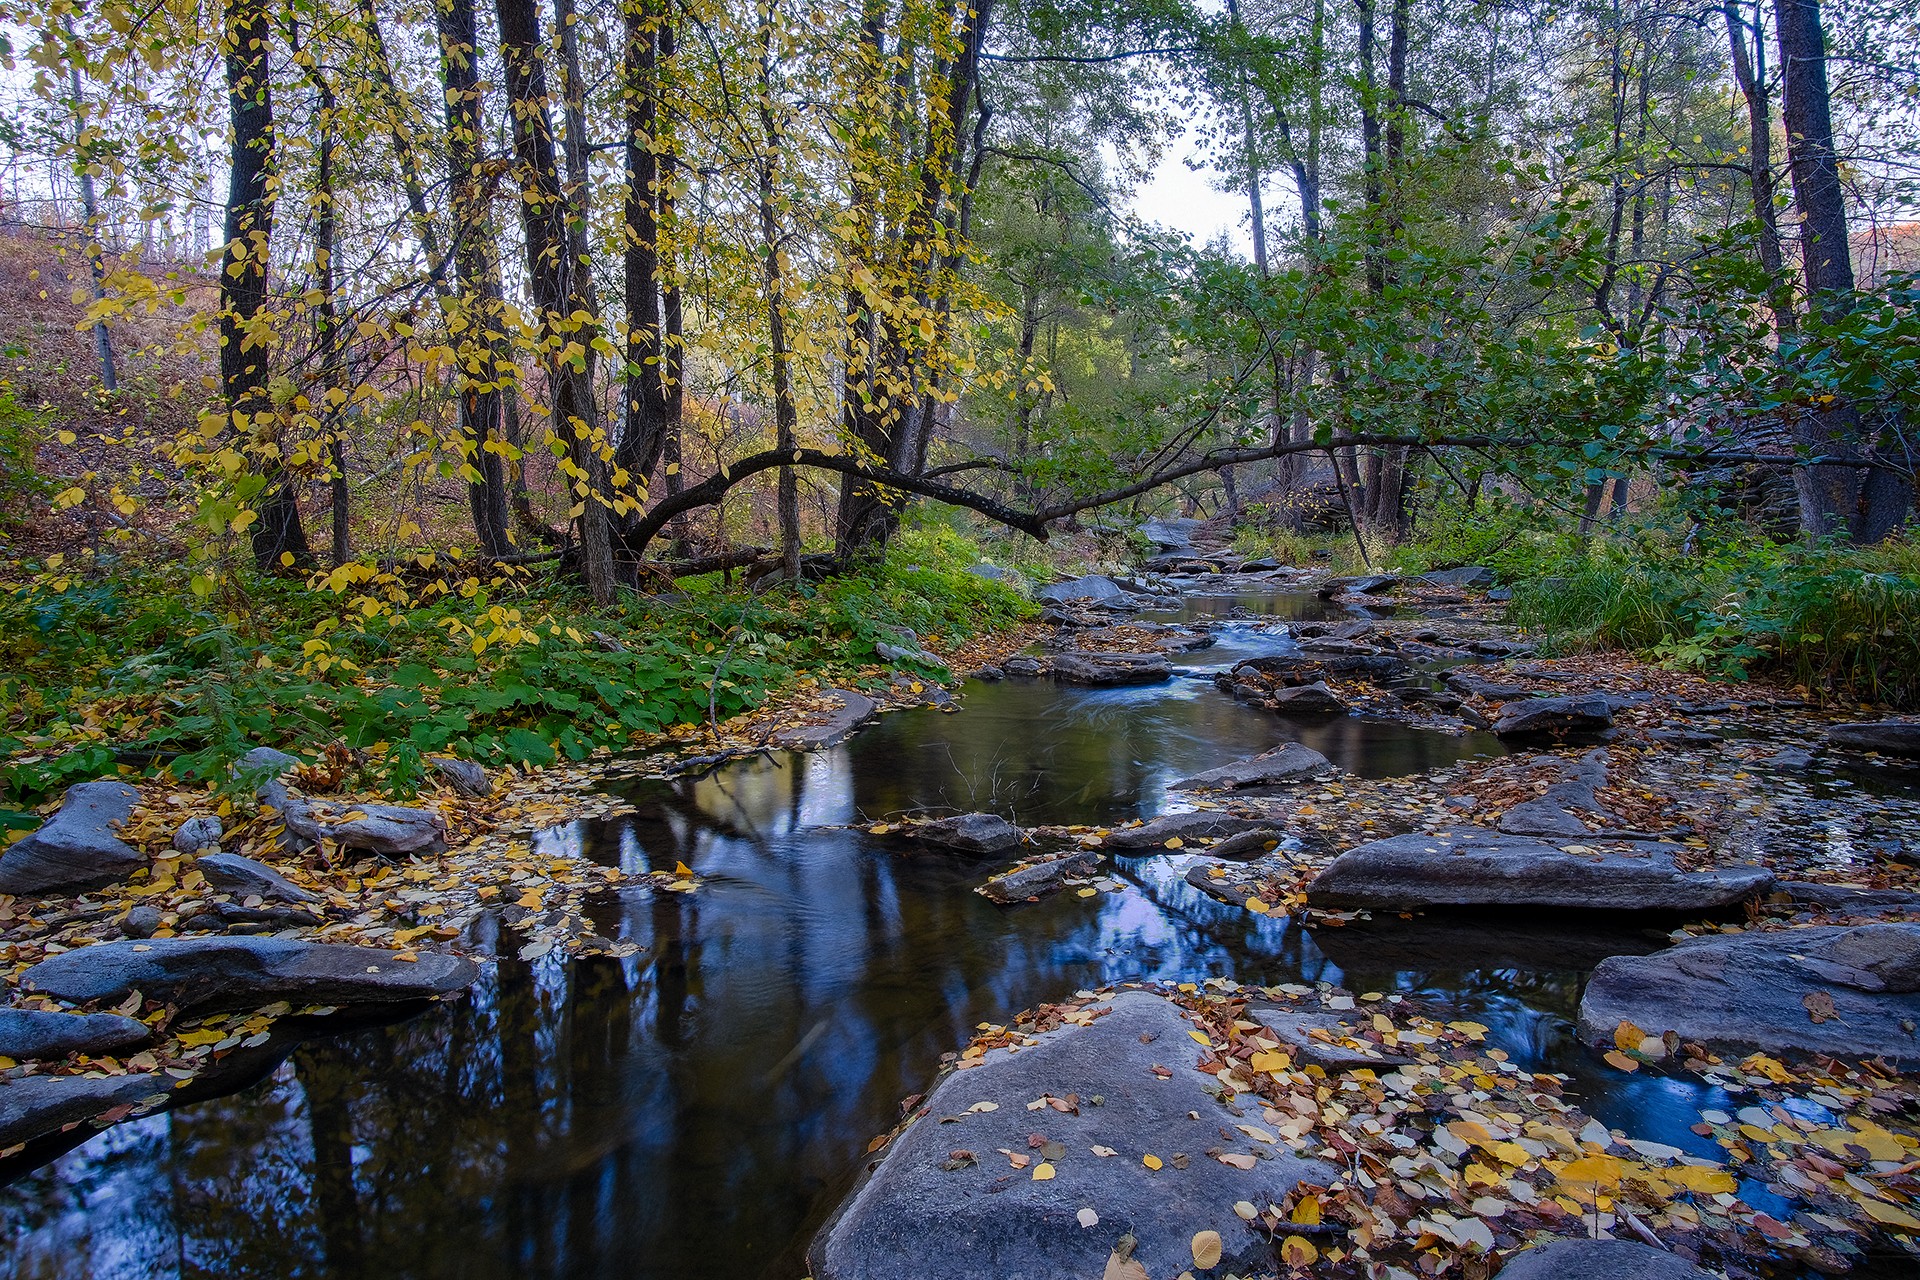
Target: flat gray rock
[(1341, 1044), (42, 1035), (980, 833), (1478, 868), (1888, 737), (1470, 575), (1740, 992), (1314, 699), (1833, 897), (205, 974), (1582, 715), (1600, 1260), (1290, 762), (1200, 825), (1093, 587), (35, 1106), (231, 873), (850, 710), (79, 847), (465, 776), (1101, 670), (926, 1213), (1041, 879), (389, 830)]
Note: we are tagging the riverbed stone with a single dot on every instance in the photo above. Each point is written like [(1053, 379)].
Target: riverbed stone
[(1740, 992), (1289, 762), (1039, 879), (1600, 1260), (1199, 825), (196, 834), (43, 1035), (1315, 699), (207, 974), (390, 830), (927, 1212), (1888, 737), (1466, 575), (1103, 670), (1323, 1039), (1094, 587), (79, 847), (1478, 868), (1365, 585), (1580, 715), (976, 833), (846, 712), (35, 1106), (1552, 812), (142, 921), (231, 873)]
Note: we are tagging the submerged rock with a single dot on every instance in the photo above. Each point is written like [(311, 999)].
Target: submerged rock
[(40, 1035), (1200, 825), (207, 974), (1040, 879), (968, 833), (1470, 868), (79, 847), (1600, 1260), (1888, 737), (849, 710), (1581, 715), (1106, 669), (1852, 992), (931, 1213), (1289, 762)]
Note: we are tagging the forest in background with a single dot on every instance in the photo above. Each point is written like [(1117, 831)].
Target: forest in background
[(525, 378)]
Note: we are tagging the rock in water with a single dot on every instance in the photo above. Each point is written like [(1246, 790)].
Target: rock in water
[(1472, 868), (849, 712), (927, 1213), (41, 1035), (1314, 699), (1888, 737), (1039, 880), (1101, 670), (1290, 762), (207, 974), (1850, 992), (34, 1106), (981, 833), (231, 873), (1583, 715), (1600, 1260), (79, 847), (1153, 836)]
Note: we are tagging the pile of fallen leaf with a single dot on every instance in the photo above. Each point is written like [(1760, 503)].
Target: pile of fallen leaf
[(1461, 1158)]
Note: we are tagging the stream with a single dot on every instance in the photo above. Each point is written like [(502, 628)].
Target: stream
[(697, 1109)]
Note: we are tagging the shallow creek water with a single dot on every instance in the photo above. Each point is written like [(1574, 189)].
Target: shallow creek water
[(696, 1110)]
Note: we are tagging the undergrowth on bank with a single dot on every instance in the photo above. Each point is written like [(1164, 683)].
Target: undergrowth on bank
[(113, 669)]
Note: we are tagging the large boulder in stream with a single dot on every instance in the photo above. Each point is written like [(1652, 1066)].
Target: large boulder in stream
[(208, 974), (944, 1204), (1093, 589), (43, 1035), (1478, 868), (1888, 737), (79, 847), (1201, 825), (1104, 670), (34, 1106), (1040, 879), (1848, 992), (1289, 762)]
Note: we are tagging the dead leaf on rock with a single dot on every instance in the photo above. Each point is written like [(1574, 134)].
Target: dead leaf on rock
[(1819, 1006)]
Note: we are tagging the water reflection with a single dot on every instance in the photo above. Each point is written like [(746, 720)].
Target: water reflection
[(697, 1109)]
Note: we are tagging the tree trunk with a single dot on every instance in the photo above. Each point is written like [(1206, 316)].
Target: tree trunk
[(1750, 72), (557, 293), (643, 439), (477, 312), (89, 206), (785, 418), (278, 536)]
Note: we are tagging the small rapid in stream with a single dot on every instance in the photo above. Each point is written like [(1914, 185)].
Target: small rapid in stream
[(696, 1110)]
